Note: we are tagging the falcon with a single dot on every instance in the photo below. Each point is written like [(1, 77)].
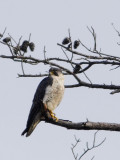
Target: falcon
[(47, 97)]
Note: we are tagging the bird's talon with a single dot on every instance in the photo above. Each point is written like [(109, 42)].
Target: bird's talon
[(56, 119), (53, 116)]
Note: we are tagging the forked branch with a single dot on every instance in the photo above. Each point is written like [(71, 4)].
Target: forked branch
[(87, 149)]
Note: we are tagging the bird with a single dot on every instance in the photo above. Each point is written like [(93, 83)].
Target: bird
[(47, 97)]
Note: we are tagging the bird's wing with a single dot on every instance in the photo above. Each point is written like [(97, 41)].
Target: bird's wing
[(40, 92), (37, 106)]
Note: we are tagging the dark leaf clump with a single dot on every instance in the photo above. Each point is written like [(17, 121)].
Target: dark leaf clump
[(77, 68), (7, 39), (32, 46), (76, 44), (66, 41), (24, 46)]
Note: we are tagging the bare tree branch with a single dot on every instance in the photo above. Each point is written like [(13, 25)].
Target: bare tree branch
[(85, 125), (79, 63)]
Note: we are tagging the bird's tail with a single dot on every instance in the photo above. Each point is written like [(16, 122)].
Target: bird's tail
[(33, 119), (29, 130)]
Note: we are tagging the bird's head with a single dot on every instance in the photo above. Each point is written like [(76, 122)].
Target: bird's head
[(55, 71)]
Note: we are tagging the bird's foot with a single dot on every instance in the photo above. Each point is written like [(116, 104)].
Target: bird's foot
[(53, 116)]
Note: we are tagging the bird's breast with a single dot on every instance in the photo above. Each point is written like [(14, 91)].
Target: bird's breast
[(54, 94)]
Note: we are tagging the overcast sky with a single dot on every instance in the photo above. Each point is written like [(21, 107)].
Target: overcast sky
[(48, 22)]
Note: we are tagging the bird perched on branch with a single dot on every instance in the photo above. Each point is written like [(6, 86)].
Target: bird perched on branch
[(47, 97)]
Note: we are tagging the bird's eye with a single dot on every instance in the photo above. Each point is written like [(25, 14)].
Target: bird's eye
[(55, 73)]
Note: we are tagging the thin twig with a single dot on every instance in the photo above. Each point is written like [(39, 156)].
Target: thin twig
[(22, 68), (116, 30), (4, 31), (12, 39), (70, 61), (94, 145), (29, 37), (44, 51)]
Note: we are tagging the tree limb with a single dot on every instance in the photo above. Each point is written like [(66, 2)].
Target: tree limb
[(88, 125)]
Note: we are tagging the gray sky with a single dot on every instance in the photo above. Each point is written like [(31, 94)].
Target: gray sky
[(48, 22)]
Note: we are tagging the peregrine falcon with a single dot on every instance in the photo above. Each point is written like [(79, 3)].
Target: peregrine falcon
[(48, 96)]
